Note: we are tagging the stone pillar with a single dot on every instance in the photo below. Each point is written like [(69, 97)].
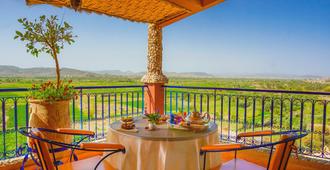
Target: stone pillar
[(154, 78)]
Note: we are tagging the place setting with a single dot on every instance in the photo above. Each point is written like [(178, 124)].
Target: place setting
[(127, 124)]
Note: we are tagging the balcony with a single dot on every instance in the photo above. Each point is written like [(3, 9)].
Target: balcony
[(234, 110)]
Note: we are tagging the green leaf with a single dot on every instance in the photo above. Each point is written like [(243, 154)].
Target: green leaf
[(42, 17), (19, 34)]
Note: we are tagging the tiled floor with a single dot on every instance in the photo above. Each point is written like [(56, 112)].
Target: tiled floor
[(259, 158)]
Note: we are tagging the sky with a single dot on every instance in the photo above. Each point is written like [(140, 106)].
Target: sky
[(235, 37)]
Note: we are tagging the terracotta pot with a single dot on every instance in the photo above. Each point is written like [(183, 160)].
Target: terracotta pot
[(51, 116)]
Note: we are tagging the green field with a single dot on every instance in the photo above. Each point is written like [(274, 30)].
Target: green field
[(227, 106)]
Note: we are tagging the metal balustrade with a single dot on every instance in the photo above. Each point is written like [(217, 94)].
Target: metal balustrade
[(94, 109), (238, 110), (235, 110)]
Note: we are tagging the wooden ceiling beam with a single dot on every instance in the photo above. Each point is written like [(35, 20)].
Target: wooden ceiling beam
[(190, 5), (204, 3), (75, 4), (173, 20)]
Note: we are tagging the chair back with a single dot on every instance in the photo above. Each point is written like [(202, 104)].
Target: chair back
[(42, 148), (281, 154)]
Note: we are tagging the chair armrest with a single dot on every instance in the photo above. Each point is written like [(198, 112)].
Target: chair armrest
[(257, 133), (75, 131), (221, 147), (101, 146)]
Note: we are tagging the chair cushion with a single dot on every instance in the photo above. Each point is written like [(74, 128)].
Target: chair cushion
[(86, 164), (239, 164)]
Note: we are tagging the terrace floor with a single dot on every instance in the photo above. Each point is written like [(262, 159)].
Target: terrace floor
[(259, 158)]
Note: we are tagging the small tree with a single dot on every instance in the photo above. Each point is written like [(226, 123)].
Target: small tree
[(46, 35)]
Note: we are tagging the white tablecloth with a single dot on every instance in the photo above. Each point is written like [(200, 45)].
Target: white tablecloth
[(147, 154)]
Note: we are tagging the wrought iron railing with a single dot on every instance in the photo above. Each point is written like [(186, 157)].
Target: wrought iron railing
[(238, 110), (234, 110), (93, 109)]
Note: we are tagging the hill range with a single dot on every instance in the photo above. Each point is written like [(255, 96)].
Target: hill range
[(14, 71)]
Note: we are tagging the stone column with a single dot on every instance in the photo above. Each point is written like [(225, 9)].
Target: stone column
[(154, 78)]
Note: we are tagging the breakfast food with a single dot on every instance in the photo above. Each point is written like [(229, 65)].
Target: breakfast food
[(194, 121), (162, 119), (128, 125), (197, 122), (194, 127), (127, 119), (198, 118)]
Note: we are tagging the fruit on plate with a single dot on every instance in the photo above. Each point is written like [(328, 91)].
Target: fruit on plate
[(194, 127), (175, 119), (163, 118)]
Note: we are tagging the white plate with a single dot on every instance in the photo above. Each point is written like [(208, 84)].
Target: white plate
[(128, 130)]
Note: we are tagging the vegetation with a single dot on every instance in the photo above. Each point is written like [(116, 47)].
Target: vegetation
[(51, 92), (47, 35), (98, 103), (153, 117)]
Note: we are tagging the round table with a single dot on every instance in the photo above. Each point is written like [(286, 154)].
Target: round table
[(162, 149)]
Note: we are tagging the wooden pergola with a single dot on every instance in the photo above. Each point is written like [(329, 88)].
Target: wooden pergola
[(156, 13), (160, 12)]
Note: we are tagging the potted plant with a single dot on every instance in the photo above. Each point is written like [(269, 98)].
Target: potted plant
[(153, 118), (49, 102)]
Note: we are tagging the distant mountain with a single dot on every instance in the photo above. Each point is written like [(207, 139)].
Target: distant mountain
[(13, 71), (169, 74), (117, 73), (269, 76), (189, 74)]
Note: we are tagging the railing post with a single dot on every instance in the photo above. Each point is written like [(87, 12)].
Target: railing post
[(3, 101), (81, 108)]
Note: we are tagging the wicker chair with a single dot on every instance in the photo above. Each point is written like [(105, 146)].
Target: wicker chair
[(44, 149), (277, 160)]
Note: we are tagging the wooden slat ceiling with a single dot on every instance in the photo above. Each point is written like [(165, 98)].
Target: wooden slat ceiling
[(162, 12)]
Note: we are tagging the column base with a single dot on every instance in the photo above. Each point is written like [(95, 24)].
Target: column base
[(154, 98), (150, 78)]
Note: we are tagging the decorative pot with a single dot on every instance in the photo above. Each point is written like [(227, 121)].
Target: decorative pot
[(51, 115), (151, 126)]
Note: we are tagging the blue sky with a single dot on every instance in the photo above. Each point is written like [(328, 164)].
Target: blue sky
[(235, 37)]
